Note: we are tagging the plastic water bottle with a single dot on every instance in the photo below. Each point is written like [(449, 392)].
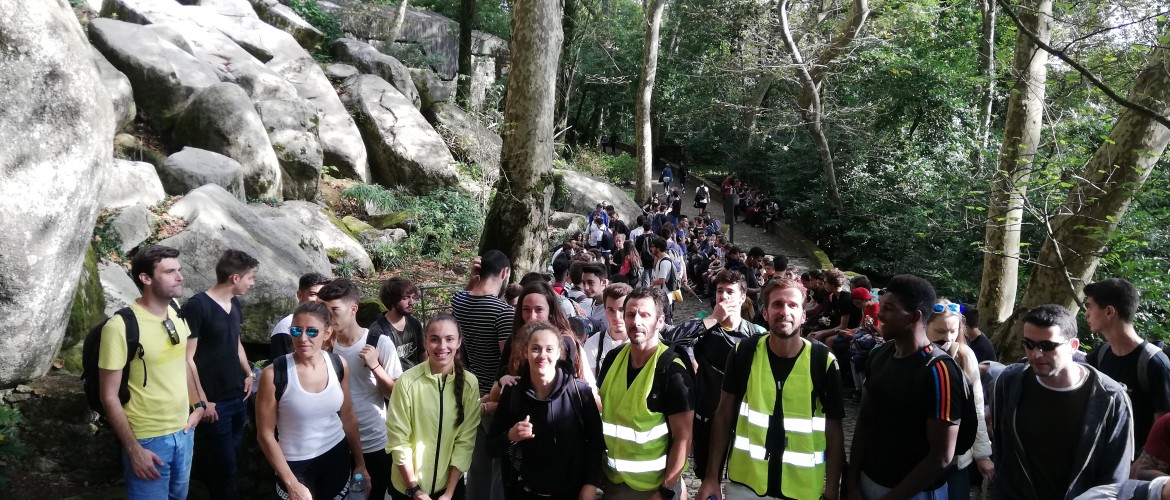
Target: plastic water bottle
[(357, 491)]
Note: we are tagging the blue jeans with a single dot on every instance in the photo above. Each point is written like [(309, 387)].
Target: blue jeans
[(871, 490), (217, 448), (175, 452)]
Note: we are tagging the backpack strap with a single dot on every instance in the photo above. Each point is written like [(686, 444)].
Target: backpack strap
[(1098, 354), (372, 337), (337, 366), (133, 345), (819, 358), (1149, 351), (280, 375), (178, 310)]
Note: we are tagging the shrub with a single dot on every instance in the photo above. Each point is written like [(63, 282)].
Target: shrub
[(11, 446), (327, 22), (437, 223)]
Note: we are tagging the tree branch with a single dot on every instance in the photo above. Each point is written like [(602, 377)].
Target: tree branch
[(1139, 108)]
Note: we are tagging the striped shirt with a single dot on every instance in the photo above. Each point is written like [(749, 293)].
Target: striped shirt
[(484, 321)]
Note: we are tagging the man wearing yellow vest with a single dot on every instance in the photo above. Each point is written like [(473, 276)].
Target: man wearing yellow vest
[(648, 401), (780, 411)]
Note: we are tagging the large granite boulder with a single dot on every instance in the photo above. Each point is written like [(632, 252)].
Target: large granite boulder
[(192, 168), (280, 52), (230, 62), (56, 137), (432, 90), (586, 191), (130, 183), (163, 76), (121, 93), (367, 59), (325, 226), (468, 139), (133, 225), (217, 221), (221, 118), (118, 287), (283, 17), (292, 128), (404, 149)]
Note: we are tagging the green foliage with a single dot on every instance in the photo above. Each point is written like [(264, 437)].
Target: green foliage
[(327, 22), (492, 16), (561, 196), (620, 170), (437, 223), (11, 446)]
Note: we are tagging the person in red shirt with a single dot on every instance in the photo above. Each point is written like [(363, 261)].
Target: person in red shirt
[(1154, 461)]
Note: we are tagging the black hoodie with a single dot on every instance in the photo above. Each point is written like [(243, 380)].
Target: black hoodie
[(567, 450)]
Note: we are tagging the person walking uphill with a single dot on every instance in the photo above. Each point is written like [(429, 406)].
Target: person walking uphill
[(434, 414), (783, 443), (547, 429), (648, 402), (223, 374), (155, 425)]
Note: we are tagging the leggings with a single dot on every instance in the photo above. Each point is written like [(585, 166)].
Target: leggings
[(326, 475)]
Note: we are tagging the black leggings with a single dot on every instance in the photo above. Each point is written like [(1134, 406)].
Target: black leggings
[(326, 475)]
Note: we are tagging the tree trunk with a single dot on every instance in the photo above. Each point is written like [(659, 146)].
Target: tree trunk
[(463, 81), (642, 125), (517, 221), (399, 16), (597, 121), (570, 57), (1097, 202), (997, 290), (755, 102), (987, 12)]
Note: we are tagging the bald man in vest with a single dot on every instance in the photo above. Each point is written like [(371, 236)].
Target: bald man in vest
[(780, 411)]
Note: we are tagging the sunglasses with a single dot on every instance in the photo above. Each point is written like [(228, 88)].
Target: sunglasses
[(171, 331), (1046, 345), (297, 331), (953, 307)]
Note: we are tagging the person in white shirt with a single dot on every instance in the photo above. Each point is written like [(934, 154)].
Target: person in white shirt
[(280, 342), (374, 367), (595, 349)]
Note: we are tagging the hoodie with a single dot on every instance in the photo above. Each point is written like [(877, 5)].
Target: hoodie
[(567, 450), (1104, 446)]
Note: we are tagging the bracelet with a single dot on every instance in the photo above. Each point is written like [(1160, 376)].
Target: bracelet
[(375, 368)]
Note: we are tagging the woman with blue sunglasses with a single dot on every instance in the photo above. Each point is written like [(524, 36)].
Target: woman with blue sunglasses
[(945, 328), (306, 395)]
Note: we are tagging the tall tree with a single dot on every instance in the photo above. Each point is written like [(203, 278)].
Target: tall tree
[(1001, 264), (643, 127), (570, 58), (466, 23), (811, 75), (987, 13), (517, 221), (1098, 199), (399, 16)]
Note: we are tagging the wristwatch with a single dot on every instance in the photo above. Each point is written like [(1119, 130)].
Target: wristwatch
[(411, 491), (198, 405), (666, 493)]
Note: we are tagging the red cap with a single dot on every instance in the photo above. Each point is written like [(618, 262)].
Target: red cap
[(861, 293)]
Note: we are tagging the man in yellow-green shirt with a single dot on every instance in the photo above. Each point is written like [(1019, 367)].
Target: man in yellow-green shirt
[(156, 425)]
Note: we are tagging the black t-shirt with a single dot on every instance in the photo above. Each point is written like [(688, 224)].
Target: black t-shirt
[(408, 342), (1156, 397), (903, 393), (982, 348), (736, 383), (841, 304), (217, 356), (1044, 413), (619, 227), (670, 397)]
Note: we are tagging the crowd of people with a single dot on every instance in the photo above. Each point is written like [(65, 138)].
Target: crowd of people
[(583, 381)]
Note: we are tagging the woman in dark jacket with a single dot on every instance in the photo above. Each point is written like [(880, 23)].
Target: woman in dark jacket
[(548, 426)]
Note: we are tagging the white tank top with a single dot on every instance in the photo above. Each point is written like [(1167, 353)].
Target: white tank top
[(308, 422)]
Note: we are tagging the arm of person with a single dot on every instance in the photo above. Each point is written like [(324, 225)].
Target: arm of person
[(497, 438), (680, 443), (1146, 467), (1155, 458), (858, 448), (720, 439), (474, 278), (1113, 459), (940, 436), (142, 460), (594, 448), (835, 459), (266, 434), (398, 437), (465, 434), (981, 450), (386, 365), (246, 367), (453, 474), (349, 423)]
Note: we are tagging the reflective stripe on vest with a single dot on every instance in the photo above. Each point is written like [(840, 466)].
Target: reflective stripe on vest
[(636, 439), (803, 461)]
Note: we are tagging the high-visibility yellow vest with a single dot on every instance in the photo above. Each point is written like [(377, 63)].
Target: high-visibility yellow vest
[(803, 458), (637, 440)]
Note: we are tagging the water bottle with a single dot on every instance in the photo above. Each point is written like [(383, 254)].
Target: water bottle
[(357, 491)]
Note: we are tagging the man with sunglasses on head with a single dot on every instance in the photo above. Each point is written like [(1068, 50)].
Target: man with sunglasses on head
[(223, 375), (1059, 427), (156, 425)]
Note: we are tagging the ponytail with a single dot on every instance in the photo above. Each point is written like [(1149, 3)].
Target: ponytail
[(458, 390)]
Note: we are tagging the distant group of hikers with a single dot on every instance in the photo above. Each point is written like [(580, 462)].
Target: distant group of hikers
[(520, 402)]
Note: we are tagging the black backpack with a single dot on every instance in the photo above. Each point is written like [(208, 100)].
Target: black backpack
[(91, 349), (1149, 351), (280, 372), (968, 418)]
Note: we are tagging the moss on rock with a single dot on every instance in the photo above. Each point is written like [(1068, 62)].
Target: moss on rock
[(89, 304), (395, 220)]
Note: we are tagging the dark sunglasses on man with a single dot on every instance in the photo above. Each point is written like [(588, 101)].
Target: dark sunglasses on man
[(1043, 345), (172, 332)]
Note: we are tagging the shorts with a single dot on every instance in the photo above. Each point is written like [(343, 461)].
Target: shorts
[(326, 475)]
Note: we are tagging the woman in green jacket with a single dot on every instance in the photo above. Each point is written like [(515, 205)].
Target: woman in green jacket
[(432, 418)]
